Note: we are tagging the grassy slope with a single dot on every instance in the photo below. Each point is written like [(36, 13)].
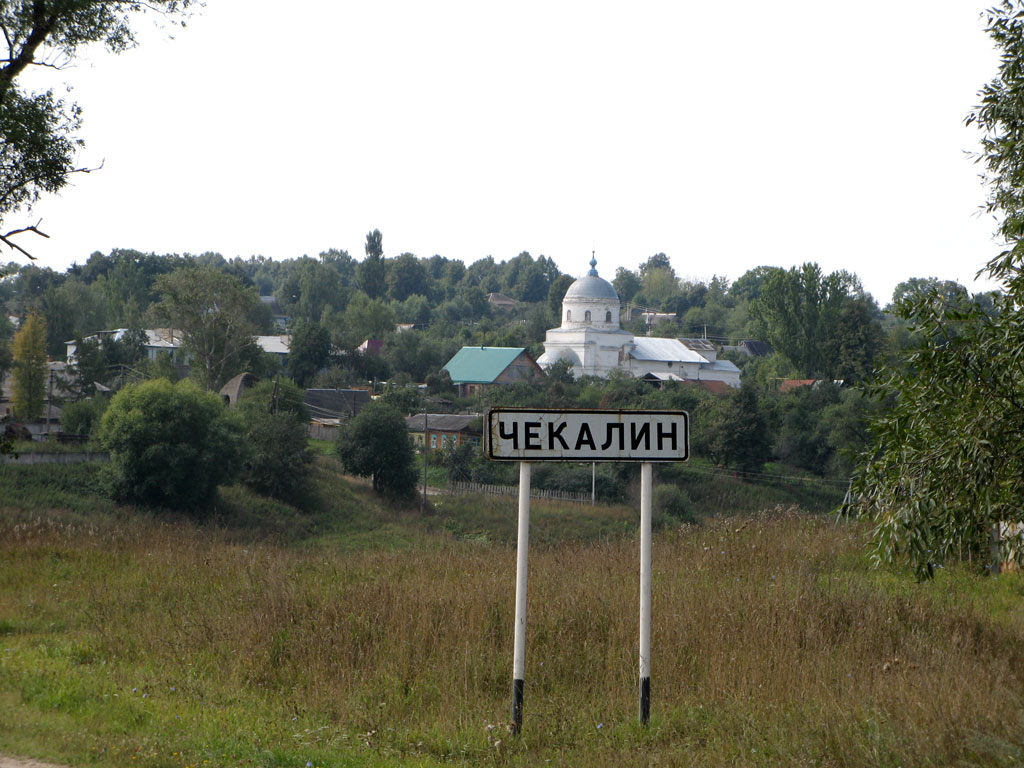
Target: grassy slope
[(359, 634)]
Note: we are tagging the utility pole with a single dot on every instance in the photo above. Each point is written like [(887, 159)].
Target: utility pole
[(423, 502), (49, 408)]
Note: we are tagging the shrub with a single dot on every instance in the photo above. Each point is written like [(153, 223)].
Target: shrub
[(83, 417), (276, 458), (170, 444), (375, 443), (673, 503)]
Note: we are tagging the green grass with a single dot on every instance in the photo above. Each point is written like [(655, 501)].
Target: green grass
[(347, 630)]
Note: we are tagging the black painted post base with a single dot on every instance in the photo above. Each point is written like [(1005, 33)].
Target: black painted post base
[(517, 707), (645, 700)]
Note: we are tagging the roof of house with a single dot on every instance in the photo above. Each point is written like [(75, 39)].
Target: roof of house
[(790, 384), (277, 345), (714, 387), (700, 345), (663, 350), (757, 348), (443, 422), (721, 365), (335, 403), (481, 365), (500, 298)]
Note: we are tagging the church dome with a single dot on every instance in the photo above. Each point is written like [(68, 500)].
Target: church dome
[(590, 286)]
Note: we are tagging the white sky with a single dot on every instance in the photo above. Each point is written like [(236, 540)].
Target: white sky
[(725, 135)]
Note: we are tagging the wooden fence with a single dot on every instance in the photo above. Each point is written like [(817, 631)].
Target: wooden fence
[(576, 497)]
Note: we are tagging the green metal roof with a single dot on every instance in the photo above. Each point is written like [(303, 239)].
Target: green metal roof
[(481, 365)]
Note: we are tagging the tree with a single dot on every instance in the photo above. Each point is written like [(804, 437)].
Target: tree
[(218, 318), (170, 444), (801, 314), (276, 457), (739, 436), (405, 276), (946, 467), (626, 284), (372, 272), (29, 386), (39, 148), (308, 352), (375, 443)]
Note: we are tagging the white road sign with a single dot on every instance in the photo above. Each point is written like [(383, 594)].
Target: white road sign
[(520, 434)]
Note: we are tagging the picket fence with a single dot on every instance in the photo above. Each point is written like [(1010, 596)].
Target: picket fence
[(576, 497)]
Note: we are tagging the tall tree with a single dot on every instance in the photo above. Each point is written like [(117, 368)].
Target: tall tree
[(372, 272), (39, 148), (375, 443), (218, 318), (308, 352), (946, 467), (29, 384)]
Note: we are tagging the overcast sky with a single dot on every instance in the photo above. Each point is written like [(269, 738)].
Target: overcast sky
[(727, 136)]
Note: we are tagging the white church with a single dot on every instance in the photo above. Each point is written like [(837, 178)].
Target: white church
[(592, 341)]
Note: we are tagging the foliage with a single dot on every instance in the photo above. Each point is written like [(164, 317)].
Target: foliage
[(737, 432), (83, 417), (39, 148), (308, 352), (375, 443), (404, 398), (276, 459), (824, 324), (372, 271), (947, 464), (218, 317), (29, 385), (672, 502), (170, 444)]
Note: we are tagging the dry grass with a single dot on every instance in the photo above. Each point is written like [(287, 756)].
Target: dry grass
[(773, 645)]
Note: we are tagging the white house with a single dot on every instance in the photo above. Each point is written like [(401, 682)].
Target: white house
[(592, 341)]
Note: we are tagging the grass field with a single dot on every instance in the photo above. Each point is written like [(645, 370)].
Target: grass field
[(352, 634)]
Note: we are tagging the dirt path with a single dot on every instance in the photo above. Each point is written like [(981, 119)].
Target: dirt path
[(14, 762)]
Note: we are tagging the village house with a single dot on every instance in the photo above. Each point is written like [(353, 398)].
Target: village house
[(472, 369), (443, 430)]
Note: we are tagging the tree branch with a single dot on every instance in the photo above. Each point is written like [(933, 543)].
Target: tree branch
[(5, 238)]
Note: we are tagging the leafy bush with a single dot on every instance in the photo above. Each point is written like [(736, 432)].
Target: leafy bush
[(170, 444), (672, 502), (375, 443), (83, 417), (276, 458)]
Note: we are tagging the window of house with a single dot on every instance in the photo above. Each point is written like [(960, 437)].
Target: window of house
[(433, 441), (586, 316)]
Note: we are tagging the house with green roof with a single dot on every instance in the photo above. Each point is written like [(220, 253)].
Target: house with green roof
[(475, 368)]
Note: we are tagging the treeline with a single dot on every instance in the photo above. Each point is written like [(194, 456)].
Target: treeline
[(821, 327)]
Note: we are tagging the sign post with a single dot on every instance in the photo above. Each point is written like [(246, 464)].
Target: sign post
[(519, 645), (646, 496), (528, 435)]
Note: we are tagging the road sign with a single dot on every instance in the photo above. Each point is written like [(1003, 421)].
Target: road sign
[(521, 434)]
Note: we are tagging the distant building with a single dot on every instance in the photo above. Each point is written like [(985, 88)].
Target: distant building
[(501, 301), (591, 340), (443, 430), (475, 368)]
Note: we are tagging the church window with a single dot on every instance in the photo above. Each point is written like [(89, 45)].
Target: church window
[(568, 315), (608, 316), (586, 316)]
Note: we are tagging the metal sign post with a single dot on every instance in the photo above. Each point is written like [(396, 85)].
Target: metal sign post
[(646, 496), (519, 645), (527, 435)]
